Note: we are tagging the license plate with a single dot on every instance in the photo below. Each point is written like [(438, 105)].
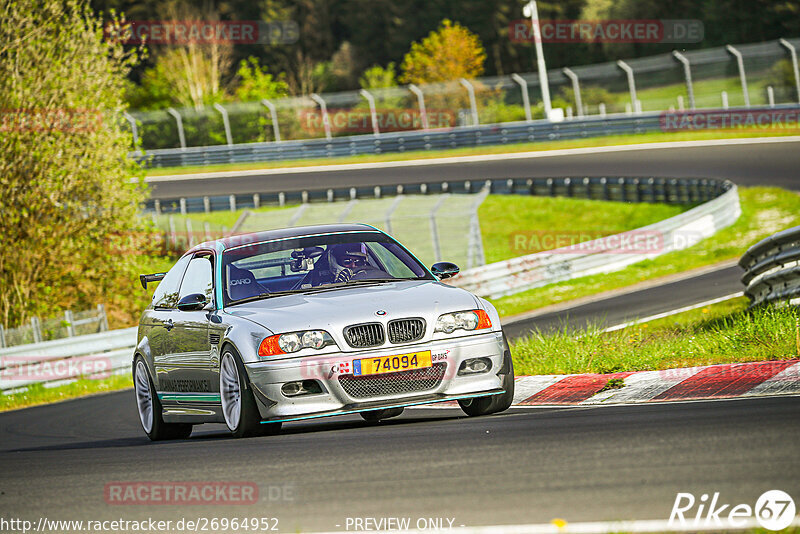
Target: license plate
[(391, 364)]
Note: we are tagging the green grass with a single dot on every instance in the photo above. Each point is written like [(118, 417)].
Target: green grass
[(722, 333), (516, 225), (652, 137), (38, 394), (765, 210)]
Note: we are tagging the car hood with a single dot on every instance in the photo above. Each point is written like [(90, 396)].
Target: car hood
[(334, 309)]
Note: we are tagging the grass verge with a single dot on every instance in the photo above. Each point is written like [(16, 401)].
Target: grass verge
[(722, 333), (765, 210), (38, 394), (516, 225), (612, 140)]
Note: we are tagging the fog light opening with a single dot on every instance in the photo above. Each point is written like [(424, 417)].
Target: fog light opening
[(301, 387), (475, 366)]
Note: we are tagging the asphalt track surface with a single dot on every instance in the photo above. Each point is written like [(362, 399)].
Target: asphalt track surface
[(523, 466), (528, 465), (762, 163), (635, 305)]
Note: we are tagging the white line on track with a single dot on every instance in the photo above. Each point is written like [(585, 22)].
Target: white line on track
[(474, 159), (673, 312)]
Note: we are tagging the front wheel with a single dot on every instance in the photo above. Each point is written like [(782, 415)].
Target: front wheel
[(494, 403), (238, 404), (149, 407)]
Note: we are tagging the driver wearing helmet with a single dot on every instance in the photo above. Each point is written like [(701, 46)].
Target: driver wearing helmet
[(347, 259)]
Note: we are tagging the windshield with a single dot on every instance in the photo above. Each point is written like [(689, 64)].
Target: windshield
[(316, 262)]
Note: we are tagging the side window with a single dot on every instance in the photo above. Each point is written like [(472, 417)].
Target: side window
[(198, 278), (166, 294)]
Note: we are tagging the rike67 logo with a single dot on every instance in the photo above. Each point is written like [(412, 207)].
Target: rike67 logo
[(773, 510)]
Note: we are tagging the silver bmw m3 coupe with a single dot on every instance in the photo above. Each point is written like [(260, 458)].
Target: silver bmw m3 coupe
[(287, 325)]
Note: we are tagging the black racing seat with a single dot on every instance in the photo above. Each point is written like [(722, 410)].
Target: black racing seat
[(243, 284)]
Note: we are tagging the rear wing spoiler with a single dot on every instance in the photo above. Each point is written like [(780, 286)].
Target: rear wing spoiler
[(156, 277)]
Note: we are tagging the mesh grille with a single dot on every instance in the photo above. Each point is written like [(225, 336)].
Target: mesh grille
[(364, 387), (406, 330), (364, 335)]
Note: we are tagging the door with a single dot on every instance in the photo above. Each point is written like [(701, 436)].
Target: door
[(193, 365), (160, 318)]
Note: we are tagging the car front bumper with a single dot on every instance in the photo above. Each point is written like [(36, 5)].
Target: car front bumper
[(393, 390)]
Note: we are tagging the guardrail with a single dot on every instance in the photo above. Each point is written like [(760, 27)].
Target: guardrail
[(64, 360), (490, 134), (772, 268), (618, 188), (606, 254)]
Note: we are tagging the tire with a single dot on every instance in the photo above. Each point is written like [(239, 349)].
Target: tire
[(150, 409), (236, 396), (373, 416), (494, 403)]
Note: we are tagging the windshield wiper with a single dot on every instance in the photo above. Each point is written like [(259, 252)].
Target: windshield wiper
[(266, 296)]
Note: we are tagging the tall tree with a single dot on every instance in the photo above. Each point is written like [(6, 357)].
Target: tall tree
[(69, 194), (449, 53)]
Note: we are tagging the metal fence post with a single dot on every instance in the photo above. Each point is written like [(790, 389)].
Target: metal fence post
[(232, 202), (189, 233), (326, 121), (179, 121), (372, 112), (172, 232), (437, 252), (134, 129), (631, 82), (225, 123), (472, 104), (206, 204), (526, 102), (770, 96), (724, 99), (387, 217), (576, 89), (2, 337), (793, 54), (274, 114), (36, 328), (182, 202), (423, 115), (742, 76), (687, 72), (101, 311), (70, 323)]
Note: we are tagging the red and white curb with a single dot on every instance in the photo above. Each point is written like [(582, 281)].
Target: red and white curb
[(723, 381)]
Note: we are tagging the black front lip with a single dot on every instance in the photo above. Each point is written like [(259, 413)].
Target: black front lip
[(381, 405)]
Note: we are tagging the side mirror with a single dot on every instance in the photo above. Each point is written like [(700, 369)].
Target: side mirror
[(193, 302), (444, 269)]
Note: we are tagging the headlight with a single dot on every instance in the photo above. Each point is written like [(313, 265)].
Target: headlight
[(465, 320), (294, 341)]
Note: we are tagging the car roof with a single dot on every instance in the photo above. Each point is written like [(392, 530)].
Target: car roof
[(283, 233)]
